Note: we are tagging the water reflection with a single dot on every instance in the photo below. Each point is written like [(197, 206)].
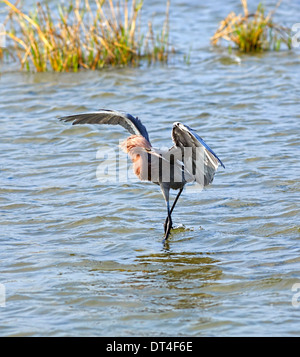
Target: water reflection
[(185, 275), (173, 279)]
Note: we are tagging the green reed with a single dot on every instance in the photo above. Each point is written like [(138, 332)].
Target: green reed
[(85, 34), (253, 32)]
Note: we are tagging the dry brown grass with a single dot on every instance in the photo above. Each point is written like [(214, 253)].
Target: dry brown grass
[(252, 32)]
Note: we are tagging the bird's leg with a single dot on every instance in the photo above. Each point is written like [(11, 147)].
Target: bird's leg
[(173, 206), (165, 188), (169, 224)]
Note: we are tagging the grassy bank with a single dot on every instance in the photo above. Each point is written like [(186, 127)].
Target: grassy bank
[(89, 34)]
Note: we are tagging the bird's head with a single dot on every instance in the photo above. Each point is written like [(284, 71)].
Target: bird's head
[(176, 124)]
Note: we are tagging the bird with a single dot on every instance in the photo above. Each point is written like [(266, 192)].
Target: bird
[(189, 160)]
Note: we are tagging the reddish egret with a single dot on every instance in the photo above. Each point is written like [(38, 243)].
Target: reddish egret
[(190, 159)]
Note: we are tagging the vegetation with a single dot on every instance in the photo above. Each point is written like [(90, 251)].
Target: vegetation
[(253, 32), (85, 34)]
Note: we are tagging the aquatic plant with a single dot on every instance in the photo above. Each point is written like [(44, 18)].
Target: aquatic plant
[(85, 34), (253, 32)]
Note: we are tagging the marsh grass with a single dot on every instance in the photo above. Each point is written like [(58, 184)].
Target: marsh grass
[(85, 34), (253, 32)]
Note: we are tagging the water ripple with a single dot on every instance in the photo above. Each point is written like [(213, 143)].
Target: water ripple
[(85, 257)]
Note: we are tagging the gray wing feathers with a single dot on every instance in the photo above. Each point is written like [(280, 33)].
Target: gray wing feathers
[(198, 158), (111, 117)]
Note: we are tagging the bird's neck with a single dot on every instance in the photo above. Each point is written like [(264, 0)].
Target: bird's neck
[(135, 147)]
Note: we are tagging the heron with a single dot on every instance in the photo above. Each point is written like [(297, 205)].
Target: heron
[(189, 160)]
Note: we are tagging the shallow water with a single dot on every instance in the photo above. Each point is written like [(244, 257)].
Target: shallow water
[(80, 256)]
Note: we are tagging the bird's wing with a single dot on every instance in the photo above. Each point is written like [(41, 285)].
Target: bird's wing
[(199, 159), (112, 117)]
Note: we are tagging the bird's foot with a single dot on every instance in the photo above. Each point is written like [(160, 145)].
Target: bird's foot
[(166, 236)]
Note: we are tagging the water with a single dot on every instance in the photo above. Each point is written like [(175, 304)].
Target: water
[(80, 257)]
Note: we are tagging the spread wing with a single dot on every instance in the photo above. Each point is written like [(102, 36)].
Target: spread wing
[(198, 158), (112, 117)]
